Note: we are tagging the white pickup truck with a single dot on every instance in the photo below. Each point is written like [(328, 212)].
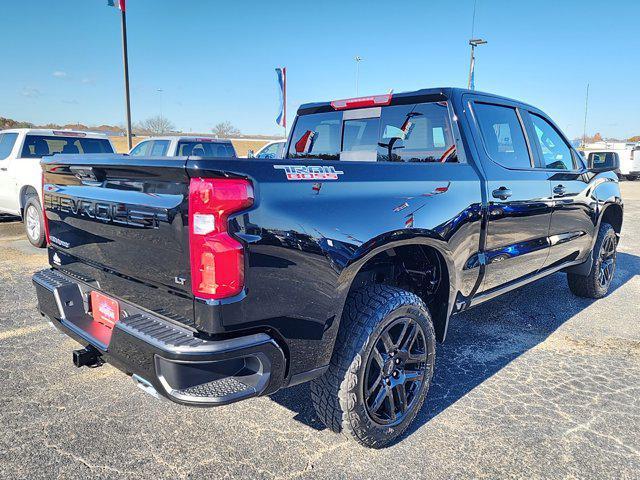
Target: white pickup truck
[(627, 153), (177, 146), (21, 177)]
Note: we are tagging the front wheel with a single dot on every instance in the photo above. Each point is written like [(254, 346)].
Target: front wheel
[(597, 283), (381, 367), (34, 222)]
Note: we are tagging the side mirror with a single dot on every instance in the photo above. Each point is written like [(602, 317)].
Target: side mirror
[(250, 154), (603, 162)]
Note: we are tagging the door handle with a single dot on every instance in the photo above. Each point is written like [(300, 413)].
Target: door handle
[(3, 169), (559, 190), (502, 193)]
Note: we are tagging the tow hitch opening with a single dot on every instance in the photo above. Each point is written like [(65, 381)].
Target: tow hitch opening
[(87, 357)]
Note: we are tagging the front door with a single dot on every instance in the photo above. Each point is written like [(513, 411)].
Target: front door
[(519, 196), (572, 226)]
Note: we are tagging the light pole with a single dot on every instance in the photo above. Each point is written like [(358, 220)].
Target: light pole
[(474, 42), (160, 91), (358, 60)]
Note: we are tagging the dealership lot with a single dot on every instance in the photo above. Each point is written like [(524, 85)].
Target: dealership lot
[(537, 383)]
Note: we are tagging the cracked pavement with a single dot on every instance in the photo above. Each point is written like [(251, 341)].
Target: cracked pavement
[(537, 383)]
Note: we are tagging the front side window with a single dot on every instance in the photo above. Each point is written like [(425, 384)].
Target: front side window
[(317, 135), (556, 154), (7, 141), (141, 149), (270, 151), (38, 146), (503, 136), (159, 148)]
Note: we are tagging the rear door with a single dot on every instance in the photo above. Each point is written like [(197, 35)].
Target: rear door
[(572, 222), (519, 203)]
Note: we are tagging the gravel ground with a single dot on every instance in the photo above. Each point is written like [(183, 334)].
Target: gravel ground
[(537, 383)]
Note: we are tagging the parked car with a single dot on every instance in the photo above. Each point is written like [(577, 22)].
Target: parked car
[(628, 154), (272, 150), (212, 280), (174, 146), (21, 177)]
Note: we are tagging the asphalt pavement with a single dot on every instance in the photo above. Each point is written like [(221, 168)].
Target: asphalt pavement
[(537, 383)]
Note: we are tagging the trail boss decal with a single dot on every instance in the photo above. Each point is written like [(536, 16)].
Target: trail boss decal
[(311, 172)]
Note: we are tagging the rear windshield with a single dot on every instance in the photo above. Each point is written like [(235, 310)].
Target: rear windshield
[(36, 146), (404, 133), (205, 149)]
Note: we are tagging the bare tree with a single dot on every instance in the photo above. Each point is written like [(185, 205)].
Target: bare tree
[(225, 130), (157, 125)]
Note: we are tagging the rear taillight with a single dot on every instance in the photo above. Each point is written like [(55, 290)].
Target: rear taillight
[(217, 259), (44, 213)]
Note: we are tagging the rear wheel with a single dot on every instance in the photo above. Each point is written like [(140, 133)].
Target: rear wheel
[(597, 283), (34, 222), (381, 368)]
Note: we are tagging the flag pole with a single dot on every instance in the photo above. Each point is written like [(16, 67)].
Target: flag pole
[(284, 70), (126, 75)]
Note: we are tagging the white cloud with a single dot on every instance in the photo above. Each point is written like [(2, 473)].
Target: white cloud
[(71, 102), (88, 81), (30, 92), (60, 74)]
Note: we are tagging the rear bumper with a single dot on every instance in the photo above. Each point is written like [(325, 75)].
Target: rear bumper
[(162, 355)]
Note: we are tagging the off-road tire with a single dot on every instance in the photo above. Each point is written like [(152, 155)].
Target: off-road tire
[(338, 396), (36, 236), (589, 286)]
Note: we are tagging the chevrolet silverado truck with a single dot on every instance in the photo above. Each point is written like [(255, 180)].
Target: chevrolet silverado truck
[(215, 280)]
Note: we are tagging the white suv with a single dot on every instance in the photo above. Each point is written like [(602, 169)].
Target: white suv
[(21, 177)]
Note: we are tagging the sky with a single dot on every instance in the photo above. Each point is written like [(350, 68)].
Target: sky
[(214, 61)]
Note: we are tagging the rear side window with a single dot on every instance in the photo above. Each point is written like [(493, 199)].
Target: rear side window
[(7, 141), (416, 133), (317, 136), (205, 149), (37, 146), (556, 154), (159, 148), (502, 134)]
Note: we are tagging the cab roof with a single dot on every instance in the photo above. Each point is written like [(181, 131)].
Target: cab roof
[(190, 138), (402, 98), (57, 132)]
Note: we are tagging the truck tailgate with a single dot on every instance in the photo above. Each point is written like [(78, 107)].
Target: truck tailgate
[(122, 223)]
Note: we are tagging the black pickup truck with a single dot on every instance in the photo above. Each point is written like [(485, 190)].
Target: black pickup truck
[(215, 280)]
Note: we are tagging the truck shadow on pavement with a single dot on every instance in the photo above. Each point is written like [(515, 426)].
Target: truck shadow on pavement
[(483, 340)]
